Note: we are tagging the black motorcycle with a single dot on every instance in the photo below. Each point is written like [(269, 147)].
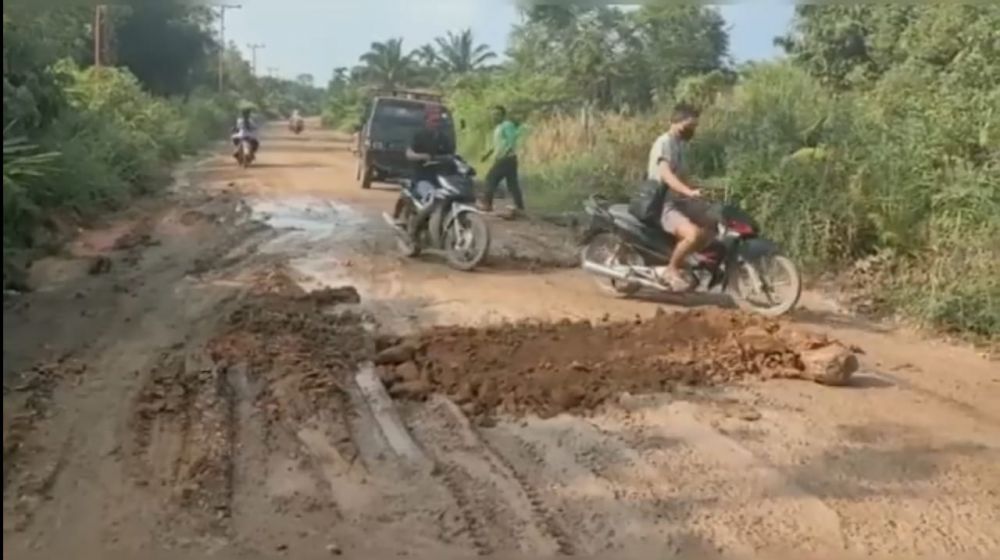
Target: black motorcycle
[(443, 218), (626, 252)]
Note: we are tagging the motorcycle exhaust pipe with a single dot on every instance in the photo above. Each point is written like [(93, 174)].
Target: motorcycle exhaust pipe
[(614, 273), (620, 273)]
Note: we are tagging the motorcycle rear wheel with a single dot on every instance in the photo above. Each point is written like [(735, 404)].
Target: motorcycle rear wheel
[(607, 249), (779, 289)]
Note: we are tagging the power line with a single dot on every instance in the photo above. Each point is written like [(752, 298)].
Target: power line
[(254, 47), (222, 41)]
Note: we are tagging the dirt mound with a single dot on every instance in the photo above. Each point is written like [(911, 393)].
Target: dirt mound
[(297, 354), (577, 366)]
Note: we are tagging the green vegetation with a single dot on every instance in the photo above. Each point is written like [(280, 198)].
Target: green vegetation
[(387, 65), (79, 139), (873, 150)]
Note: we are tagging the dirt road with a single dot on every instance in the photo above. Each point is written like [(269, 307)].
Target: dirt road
[(187, 381)]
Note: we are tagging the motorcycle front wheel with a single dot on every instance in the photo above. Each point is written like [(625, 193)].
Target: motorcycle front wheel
[(407, 247), (246, 154), (467, 241), (770, 286)]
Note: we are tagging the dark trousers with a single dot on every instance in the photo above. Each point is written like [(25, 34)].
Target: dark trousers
[(505, 169)]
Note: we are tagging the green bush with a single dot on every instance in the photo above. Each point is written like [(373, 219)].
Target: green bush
[(109, 141)]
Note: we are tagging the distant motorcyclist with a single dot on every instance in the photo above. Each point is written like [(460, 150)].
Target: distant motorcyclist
[(245, 129), (296, 121), (428, 144)]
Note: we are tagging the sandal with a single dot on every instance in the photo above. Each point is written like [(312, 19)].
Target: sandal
[(678, 281)]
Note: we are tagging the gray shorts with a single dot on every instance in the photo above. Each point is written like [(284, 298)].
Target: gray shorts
[(679, 213), (672, 218)]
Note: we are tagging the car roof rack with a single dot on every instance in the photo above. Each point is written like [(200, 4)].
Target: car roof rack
[(414, 94)]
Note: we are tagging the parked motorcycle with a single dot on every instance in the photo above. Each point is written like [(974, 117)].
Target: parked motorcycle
[(624, 253), (443, 219)]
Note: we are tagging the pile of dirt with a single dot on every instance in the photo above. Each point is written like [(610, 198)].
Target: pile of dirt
[(547, 369), (298, 352)]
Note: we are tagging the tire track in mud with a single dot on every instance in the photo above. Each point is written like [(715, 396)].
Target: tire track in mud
[(585, 500), (500, 511), (548, 522), (183, 439)]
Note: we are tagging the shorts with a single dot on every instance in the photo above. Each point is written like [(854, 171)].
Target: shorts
[(693, 210), (671, 219)]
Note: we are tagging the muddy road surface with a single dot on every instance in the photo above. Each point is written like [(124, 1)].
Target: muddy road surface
[(244, 368)]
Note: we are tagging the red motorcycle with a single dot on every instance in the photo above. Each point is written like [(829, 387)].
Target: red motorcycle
[(625, 253)]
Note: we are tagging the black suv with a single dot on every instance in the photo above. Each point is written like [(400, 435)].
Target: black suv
[(390, 121)]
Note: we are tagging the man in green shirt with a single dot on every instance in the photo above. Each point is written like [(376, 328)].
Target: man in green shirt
[(506, 136)]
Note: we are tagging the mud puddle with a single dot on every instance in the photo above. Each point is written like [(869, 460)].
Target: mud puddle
[(304, 221), (550, 368)]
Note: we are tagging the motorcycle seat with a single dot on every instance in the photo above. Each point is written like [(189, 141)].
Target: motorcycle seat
[(625, 219)]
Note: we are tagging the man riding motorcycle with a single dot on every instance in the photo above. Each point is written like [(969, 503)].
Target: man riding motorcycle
[(245, 128), (296, 121), (427, 145), (684, 215)]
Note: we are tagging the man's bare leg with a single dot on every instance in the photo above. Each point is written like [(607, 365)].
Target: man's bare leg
[(689, 238)]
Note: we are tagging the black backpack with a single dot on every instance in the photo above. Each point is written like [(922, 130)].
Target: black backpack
[(647, 205)]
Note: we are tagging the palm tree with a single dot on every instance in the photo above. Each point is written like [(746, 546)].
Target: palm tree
[(427, 55), (386, 66), (459, 54), (429, 70)]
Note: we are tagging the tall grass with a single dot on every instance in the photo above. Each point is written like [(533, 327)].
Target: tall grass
[(910, 182)]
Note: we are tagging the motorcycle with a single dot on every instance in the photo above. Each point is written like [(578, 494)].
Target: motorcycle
[(625, 252), (245, 151), (443, 219), (297, 126)]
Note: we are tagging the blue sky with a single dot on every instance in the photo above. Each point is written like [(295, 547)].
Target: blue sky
[(316, 36)]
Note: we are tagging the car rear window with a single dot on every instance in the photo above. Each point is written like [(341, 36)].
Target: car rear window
[(403, 113), (400, 119)]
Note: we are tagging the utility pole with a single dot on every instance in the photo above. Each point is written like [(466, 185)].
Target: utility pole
[(222, 42), (99, 14), (254, 47)]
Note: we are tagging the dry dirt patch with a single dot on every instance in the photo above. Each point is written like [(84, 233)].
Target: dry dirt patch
[(546, 368)]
